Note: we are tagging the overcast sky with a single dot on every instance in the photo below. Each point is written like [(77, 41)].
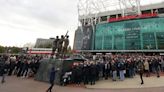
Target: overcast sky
[(22, 21)]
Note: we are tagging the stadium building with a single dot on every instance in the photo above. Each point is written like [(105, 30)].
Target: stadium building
[(129, 27)]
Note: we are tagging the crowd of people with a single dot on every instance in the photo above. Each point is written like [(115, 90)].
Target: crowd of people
[(96, 67), (19, 65), (117, 67)]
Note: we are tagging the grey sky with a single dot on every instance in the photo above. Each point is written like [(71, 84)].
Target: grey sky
[(22, 21)]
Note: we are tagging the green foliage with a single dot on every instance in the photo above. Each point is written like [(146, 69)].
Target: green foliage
[(69, 50), (2, 49), (13, 50)]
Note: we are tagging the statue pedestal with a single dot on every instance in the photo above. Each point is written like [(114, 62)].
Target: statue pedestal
[(64, 65)]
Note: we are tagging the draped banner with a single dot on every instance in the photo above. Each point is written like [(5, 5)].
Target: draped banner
[(87, 37)]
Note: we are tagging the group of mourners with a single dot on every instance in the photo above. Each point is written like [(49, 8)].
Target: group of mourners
[(19, 65), (116, 67)]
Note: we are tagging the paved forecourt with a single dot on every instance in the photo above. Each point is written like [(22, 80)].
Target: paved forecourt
[(152, 81), (14, 84)]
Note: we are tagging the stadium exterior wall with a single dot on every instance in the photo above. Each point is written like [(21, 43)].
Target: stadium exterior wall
[(139, 34)]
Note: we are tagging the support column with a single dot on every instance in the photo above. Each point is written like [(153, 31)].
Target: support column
[(93, 35), (156, 43), (112, 41), (138, 7), (124, 40), (102, 46), (141, 39)]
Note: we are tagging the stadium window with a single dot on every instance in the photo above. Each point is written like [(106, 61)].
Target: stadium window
[(161, 10), (160, 39), (155, 10), (146, 11), (119, 15), (112, 16), (104, 18)]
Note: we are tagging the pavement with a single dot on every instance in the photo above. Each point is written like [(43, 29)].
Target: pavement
[(152, 81), (14, 84)]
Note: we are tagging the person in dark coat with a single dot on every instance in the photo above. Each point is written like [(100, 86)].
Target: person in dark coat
[(86, 73), (73, 74), (130, 68), (25, 69), (121, 68), (106, 70), (20, 69), (11, 67), (2, 71), (141, 70), (93, 74), (98, 70), (17, 65), (77, 75), (114, 70), (51, 79), (156, 66), (36, 65)]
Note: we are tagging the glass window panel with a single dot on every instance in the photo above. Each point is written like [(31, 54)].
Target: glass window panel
[(131, 34), (160, 40), (149, 41)]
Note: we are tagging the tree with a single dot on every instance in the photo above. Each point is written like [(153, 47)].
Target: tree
[(69, 50), (15, 50), (2, 49)]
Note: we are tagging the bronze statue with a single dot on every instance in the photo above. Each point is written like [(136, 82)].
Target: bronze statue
[(55, 44), (65, 46), (60, 44)]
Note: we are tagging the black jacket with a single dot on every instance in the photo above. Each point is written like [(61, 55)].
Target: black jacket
[(113, 66), (93, 70), (2, 69), (121, 66)]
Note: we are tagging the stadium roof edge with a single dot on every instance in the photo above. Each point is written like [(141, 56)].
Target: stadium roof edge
[(113, 12)]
